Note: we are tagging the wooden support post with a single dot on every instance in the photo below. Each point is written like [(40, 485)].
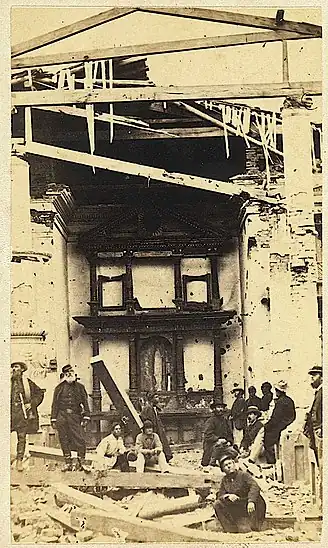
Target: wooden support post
[(96, 391), (285, 66), (178, 283), (129, 286), (180, 374), (218, 382), (133, 363), (215, 282)]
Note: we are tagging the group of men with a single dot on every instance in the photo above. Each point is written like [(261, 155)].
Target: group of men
[(253, 425), (251, 429)]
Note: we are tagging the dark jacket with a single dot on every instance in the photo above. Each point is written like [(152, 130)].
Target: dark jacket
[(282, 416), (250, 434), (238, 414), (241, 484), (217, 428), (254, 400), (81, 399), (265, 401), (151, 414), (315, 414), (31, 424)]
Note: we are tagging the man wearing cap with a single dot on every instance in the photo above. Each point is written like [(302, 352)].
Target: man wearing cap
[(149, 449), (239, 507), (69, 414), (252, 442), (282, 416), (150, 413), (217, 428), (25, 398), (313, 423), (238, 414)]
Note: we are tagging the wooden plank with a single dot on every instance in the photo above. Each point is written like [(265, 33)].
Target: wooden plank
[(238, 19), (52, 453), (128, 414), (111, 478), (63, 518), (198, 516), (140, 530), (70, 30), (150, 173), (161, 93), (173, 46), (169, 507)]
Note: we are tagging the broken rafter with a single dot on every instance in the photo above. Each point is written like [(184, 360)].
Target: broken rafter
[(148, 172), (157, 48), (241, 19), (169, 93), (69, 30)]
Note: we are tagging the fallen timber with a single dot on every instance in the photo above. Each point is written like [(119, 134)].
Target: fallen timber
[(112, 478)]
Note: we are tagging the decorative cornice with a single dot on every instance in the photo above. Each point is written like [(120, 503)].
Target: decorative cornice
[(43, 217), (55, 208), (29, 335), (18, 256)]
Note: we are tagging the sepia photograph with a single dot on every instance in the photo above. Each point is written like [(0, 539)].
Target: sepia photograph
[(166, 275)]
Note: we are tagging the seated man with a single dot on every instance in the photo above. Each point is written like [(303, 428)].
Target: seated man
[(252, 444), (111, 451), (149, 449), (217, 430), (239, 507)]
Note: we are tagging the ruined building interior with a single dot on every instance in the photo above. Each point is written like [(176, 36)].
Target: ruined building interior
[(179, 238)]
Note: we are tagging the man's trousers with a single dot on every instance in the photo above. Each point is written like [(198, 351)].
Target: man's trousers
[(71, 434), (234, 517)]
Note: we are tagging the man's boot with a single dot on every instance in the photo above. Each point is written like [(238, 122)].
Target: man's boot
[(19, 465), (68, 466), (82, 466)]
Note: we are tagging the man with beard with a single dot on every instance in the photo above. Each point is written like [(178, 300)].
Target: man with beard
[(25, 398), (282, 416), (150, 413), (69, 414), (239, 507), (313, 423), (217, 429)]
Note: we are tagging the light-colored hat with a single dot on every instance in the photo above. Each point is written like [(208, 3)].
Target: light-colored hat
[(281, 385), (253, 409), (237, 389)]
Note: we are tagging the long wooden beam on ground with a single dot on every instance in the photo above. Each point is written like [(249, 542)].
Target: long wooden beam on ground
[(169, 93), (69, 30), (156, 48), (221, 16), (148, 172), (112, 478)]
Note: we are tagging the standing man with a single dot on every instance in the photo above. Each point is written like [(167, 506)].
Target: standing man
[(150, 413), (69, 415), (149, 449), (313, 422), (282, 416), (25, 398), (238, 414), (240, 507), (267, 396), (253, 399), (217, 427)]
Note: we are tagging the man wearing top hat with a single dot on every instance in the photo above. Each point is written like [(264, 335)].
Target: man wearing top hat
[(282, 416), (25, 398), (217, 428), (238, 414), (313, 423), (69, 414), (252, 442), (239, 507)]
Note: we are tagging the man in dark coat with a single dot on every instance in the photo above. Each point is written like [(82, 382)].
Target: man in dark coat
[(253, 399), (69, 414), (239, 507), (282, 416), (150, 413), (252, 442), (313, 423), (25, 398), (238, 414), (267, 396), (217, 428)]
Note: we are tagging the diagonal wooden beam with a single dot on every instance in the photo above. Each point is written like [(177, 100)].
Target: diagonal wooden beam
[(172, 46), (161, 93), (148, 172), (69, 30), (238, 19)]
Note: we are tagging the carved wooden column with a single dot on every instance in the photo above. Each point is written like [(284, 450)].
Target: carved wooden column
[(218, 383), (178, 282), (129, 286), (215, 282), (179, 364), (133, 364), (96, 391)]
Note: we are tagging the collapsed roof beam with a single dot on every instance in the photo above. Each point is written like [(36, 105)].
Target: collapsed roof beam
[(69, 30), (172, 46), (238, 19), (169, 93), (148, 172)]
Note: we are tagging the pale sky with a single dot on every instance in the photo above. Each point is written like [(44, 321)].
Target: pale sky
[(239, 64)]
